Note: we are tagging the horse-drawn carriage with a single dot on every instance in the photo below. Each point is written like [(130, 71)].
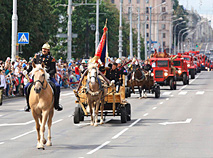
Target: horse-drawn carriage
[(114, 104)]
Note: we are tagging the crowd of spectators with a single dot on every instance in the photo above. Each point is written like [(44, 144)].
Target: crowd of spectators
[(15, 75)]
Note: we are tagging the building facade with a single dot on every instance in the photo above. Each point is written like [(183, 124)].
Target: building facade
[(160, 20)]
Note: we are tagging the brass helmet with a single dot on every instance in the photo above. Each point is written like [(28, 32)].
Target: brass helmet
[(46, 46)]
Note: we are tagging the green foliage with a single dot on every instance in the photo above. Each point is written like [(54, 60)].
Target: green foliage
[(35, 17)]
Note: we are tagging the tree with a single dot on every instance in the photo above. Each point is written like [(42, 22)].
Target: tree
[(35, 17)]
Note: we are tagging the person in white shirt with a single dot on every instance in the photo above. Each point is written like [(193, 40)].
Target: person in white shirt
[(2, 85)]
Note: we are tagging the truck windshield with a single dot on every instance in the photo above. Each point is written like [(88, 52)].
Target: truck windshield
[(162, 63), (176, 63), (186, 58)]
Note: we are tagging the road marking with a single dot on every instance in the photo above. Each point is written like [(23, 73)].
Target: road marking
[(98, 148), (16, 124), (85, 124), (67, 94), (200, 93), (166, 93), (167, 98), (182, 93), (1, 143), (190, 82), (172, 95), (57, 121), (182, 87), (70, 115), (146, 114), (154, 108), (180, 122), (1, 115), (23, 135), (120, 133), (161, 102), (135, 122)]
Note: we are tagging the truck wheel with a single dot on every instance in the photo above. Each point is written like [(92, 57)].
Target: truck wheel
[(187, 80), (157, 92), (123, 115), (77, 115), (128, 112), (184, 79), (171, 84), (192, 74)]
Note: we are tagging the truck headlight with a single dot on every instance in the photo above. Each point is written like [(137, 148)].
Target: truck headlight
[(188, 65), (179, 71), (152, 74), (166, 74)]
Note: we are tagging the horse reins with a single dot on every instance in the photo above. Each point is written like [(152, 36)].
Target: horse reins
[(42, 83)]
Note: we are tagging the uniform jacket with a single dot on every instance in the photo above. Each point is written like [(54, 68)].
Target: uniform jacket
[(113, 75)]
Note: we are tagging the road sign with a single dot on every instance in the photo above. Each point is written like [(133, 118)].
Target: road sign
[(23, 38)]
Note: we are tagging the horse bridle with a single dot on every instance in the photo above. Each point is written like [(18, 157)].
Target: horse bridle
[(94, 76), (42, 83)]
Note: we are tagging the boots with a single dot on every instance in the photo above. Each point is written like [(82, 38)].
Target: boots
[(57, 106), (27, 108)]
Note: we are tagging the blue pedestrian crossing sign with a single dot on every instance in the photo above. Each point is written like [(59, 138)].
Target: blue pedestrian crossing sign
[(23, 38)]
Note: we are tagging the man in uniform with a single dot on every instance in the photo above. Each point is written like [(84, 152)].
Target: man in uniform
[(113, 74), (50, 66), (147, 65)]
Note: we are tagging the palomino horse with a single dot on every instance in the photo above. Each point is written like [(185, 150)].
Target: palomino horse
[(41, 102), (137, 79), (95, 94)]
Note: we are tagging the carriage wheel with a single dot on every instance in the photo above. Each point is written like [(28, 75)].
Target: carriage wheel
[(123, 115), (76, 115), (171, 84), (157, 92), (126, 92), (128, 112), (81, 113)]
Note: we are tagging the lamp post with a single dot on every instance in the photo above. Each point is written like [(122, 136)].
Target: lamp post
[(139, 38), (179, 38), (14, 30), (175, 35), (120, 30), (150, 24), (170, 34), (182, 40), (130, 32)]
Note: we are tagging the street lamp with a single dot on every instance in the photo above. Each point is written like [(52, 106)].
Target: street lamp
[(150, 24), (179, 38), (170, 34), (182, 39), (175, 34)]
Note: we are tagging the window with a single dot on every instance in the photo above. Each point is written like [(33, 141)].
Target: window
[(163, 1), (186, 58), (138, 1), (176, 63), (163, 9), (164, 17), (147, 26), (130, 1), (163, 26), (164, 44), (147, 10), (162, 63), (113, 1), (164, 35), (147, 34)]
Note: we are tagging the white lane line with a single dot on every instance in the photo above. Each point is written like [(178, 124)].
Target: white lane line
[(154, 108), (16, 124), (67, 94), (70, 115), (120, 133), (85, 124), (57, 121), (200, 93), (1, 143), (167, 98), (182, 93), (146, 114), (14, 138), (182, 88), (161, 102), (1, 115), (172, 95), (98, 148), (135, 122), (166, 93)]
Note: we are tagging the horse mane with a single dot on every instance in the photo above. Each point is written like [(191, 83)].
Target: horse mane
[(39, 67)]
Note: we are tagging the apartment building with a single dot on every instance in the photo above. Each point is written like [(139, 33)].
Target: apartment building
[(160, 20)]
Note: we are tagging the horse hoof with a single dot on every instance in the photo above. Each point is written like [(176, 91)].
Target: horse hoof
[(44, 141), (49, 143), (140, 97), (91, 124), (101, 122), (95, 125), (40, 147)]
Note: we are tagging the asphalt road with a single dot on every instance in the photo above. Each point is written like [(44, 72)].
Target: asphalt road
[(178, 124)]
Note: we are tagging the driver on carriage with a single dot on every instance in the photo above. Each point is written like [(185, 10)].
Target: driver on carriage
[(147, 66), (50, 65), (113, 74)]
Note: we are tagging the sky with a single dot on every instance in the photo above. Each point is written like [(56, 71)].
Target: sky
[(203, 7)]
